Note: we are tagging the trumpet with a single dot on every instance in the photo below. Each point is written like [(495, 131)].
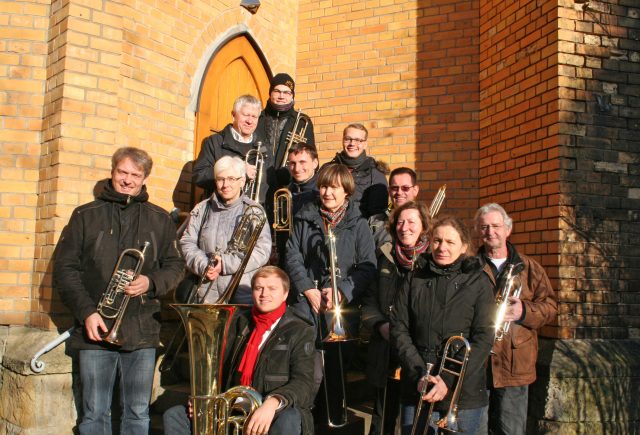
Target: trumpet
[(252, 188), (296, 135), (449, 422), (437, 201), (282, 203), (510, 286)]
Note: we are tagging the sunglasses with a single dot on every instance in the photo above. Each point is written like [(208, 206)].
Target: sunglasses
[(403, 188)]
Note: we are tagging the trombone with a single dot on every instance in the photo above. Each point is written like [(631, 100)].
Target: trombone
[(449, 422), (114, 300), (296, 135), (252, 188), (510, 286), (282, 203), (437, 201)]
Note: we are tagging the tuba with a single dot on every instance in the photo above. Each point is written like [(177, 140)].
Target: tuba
[(114, 301), (449, 422), (252, 188), (510, 286), (207, 327), (296, 135)]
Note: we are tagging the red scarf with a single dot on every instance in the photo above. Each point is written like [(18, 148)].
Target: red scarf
[(263, 322)]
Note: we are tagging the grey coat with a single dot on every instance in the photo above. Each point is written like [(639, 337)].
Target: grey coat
[(213, 236)]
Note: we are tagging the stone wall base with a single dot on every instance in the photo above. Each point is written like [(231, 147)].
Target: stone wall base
[(586, 387)]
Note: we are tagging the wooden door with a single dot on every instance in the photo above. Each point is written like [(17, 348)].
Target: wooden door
[(236, 69)]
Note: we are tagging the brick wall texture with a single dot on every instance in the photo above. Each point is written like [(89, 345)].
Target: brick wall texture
[(534, 105)]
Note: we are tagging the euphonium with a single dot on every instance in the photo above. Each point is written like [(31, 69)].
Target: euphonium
[(296, 135), (449, 422), (282, 203), (510, 285), (114, 301), (252, 188)]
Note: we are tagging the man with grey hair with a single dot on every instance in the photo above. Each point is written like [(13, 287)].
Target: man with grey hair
[(209, 231), (513, 359), (236, 139)]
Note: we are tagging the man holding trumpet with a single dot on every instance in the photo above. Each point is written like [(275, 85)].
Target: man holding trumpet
[(513, 359), (89, 249)]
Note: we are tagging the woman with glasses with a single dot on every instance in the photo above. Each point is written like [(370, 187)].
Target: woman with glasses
[(209, 230), (369, 175), (408, 225), (447, 294)]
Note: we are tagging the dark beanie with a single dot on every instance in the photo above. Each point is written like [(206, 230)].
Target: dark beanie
[(282, 79)]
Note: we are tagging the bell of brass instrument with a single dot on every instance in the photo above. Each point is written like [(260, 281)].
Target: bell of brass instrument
[(282, 210), (252, 188), (510, 286), (296, 135), (437, 201), (449, 422), (114, 301)]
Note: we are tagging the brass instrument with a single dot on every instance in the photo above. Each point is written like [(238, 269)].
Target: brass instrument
[(207, 327), (449, 422), (423, 391), (114, 301), (296, 135), (510, 286), (437, 201), (252, 188), (282, 213)]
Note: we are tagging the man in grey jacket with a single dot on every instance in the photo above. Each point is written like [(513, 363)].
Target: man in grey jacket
[(209, 232)]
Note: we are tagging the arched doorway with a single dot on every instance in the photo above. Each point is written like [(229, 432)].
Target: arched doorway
[(236, 69)]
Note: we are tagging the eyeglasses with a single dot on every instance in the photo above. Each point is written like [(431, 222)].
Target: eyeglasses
[(228, 180), (484, 228), (398, 188), (348, 139), (278, 91)]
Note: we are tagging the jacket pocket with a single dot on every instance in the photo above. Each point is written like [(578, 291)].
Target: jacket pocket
[(524, 350)]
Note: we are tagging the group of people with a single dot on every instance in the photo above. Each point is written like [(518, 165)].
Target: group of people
[(412, 279)]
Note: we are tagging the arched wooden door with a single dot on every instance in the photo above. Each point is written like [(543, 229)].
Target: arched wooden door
[(235, 69)]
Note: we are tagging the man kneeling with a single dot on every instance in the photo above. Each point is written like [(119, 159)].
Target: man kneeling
[(272, 350)]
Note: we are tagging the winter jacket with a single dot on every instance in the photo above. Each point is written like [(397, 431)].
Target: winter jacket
[(376, 308), (88, 250), (433, 304), (285, 365), (371, 192), (304, 192), (378, 225), (273, 128), (307, 258), (213, 236), (223, 144), (513, 362)]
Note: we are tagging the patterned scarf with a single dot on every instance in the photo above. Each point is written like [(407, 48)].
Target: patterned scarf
[(406, 255), (333, 218), (263, 322)]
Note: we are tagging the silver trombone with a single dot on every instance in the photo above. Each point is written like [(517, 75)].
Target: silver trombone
[(510, 286), (449, 422), (437, 201), (252, 188)]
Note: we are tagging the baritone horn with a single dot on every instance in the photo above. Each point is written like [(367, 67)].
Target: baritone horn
[(449, 422), (510, 286), (257, 155), (282, 203), (296, 135), (114, 300)]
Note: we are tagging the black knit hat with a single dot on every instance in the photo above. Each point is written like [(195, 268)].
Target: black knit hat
[(282, 79)]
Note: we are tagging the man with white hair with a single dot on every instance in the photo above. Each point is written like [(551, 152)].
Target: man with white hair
[(236, 139), (209, 231), (513, 359)]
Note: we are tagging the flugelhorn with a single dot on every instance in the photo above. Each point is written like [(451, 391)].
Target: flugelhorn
[(449, 422), (510, 285), (114, 301), (252, 188), (296, 135), (437, 201), (282, 204)]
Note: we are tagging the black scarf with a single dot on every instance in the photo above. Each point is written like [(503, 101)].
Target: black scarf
[(279, 107), (352, 163)]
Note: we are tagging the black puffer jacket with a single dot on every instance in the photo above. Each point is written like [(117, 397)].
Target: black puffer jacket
[(434, 304), (273, 127), (307, 257), (285, 365), (223, 144), (371, 192), (87, 253)]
